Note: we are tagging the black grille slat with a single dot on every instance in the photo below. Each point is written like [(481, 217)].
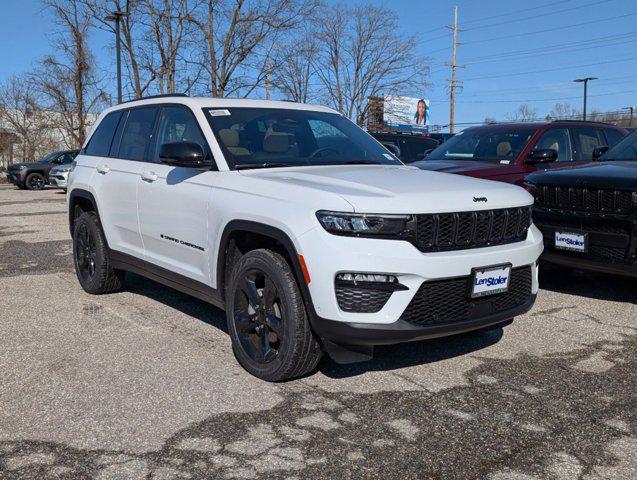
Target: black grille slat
[(585, 199), (456, 231), (448, 301)]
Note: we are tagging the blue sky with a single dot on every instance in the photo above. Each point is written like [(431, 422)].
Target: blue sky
[(515, 52)]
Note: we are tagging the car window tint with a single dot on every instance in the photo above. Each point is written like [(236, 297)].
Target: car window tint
[(411, 150), (118, 134), (100, 142), (177, 124), (556, 139), (613, 136), (68, 157), (137, 133), (586, 139)]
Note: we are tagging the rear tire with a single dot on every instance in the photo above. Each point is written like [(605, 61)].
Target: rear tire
[(90, 254), (35, 181), (267, 320)]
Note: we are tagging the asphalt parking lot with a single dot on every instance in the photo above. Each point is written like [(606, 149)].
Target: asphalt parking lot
[(143, 384)]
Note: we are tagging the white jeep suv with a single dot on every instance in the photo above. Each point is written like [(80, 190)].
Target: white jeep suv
[(305, 229)]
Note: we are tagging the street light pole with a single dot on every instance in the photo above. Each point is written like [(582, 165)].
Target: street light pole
[(585, 81), (116, 17)]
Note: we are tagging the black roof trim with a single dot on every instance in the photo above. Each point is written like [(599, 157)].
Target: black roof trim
[(166, 95)]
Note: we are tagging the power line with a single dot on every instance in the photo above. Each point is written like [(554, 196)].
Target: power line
[(528, 72), (546, 30), (515, 12), (539, 15), (537, 100)]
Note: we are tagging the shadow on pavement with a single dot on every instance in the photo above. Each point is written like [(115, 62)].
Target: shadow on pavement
[(589, 284), (529, 416)]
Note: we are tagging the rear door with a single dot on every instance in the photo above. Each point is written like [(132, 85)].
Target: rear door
[(173, 202), (117, 167)]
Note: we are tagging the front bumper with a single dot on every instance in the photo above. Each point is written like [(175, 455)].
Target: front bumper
[(622, 269), (403, 260), (59, 180), (365, 334), (16, 177)]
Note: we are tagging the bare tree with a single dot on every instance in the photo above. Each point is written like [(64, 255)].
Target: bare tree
[(524, 113), (22, 115), (564, 111), (296, 69), (163, 52), (237, 38), (364, 56), (66, 79), (139, 79)]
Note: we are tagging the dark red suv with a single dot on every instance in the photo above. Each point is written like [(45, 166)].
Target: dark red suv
[(509, 152)]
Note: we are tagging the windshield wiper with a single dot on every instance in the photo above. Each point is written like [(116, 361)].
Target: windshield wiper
[(246, 166), (361, 162)]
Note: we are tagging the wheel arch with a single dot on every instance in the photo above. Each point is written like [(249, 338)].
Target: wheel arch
[(235, 228), (81, 200)]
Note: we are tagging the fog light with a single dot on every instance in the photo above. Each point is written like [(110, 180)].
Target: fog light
[(356, 278)]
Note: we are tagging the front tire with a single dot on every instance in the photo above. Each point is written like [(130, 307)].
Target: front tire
[(267, 320), (35, 181), (90, 254)]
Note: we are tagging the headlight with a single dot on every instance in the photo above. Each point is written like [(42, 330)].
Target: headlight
[(368, 225), (63, 169)]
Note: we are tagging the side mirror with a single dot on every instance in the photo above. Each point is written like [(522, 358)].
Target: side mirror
[(599, 151), (392, 148), (546, 155), (425, 154), (183, 154)]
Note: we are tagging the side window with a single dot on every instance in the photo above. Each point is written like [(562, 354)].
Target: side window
[(100, 143), (178, 124), (612, 136), (138, 133), (58, 160), (556, 139), (67, 157), (586, 139)]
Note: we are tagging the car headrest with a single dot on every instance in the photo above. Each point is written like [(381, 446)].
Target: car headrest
[(276, 142), (229, 137), (503, 149)]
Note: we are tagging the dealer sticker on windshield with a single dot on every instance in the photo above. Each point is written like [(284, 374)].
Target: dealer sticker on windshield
[(575, 242), (490, 280)]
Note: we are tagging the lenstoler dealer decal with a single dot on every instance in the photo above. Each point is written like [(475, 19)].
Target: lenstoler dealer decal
[(181, 242), (490, 281), (570, 241)]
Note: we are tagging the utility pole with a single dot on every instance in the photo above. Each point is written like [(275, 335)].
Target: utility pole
[(585, 82), (453, 83), (116, 16)]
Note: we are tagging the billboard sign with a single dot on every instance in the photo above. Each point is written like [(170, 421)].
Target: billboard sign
[(406, 113)]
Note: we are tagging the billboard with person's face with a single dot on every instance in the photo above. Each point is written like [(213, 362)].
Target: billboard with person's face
[(405, 113)]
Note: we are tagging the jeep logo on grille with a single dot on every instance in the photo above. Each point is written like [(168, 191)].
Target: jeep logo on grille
[(480, 199)]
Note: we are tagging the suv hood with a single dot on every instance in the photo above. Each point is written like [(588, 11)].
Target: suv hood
[(398, 189), (455, 166), (612, 175)]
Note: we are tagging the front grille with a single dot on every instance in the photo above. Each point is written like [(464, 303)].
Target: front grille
[(588, 200), (447, 301), (463, 230), (361, 300), (601, 226)]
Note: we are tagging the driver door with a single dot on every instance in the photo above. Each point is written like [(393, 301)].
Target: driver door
[(173, 202)]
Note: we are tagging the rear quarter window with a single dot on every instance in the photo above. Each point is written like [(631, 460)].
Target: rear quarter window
[(100, 142)]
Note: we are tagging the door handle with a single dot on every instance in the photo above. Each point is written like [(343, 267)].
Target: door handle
[(149, 176), (103, 169)]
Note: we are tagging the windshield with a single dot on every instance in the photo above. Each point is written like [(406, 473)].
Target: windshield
[(275, 137), (624, 150), (484, 143), (49, 158)]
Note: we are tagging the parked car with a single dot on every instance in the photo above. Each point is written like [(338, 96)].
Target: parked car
[(59, 174), (35, 175), (300, 225), (410, 146), (509, 152), (588, 214)]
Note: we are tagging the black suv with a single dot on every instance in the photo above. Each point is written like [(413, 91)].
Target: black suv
[(588, 214), (35, 175), (409, 147)]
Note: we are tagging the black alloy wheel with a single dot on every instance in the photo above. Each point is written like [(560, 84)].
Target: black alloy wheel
[(258, 317), (85, 253), (35, 181)]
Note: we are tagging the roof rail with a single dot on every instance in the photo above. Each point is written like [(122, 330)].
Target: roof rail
[(576, 120), (165, 95)]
